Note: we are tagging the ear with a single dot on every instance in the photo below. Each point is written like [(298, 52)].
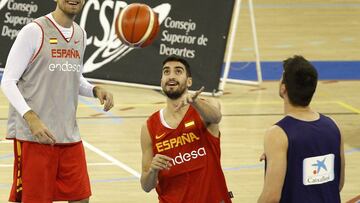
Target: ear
[(189, 82), (283, 89)]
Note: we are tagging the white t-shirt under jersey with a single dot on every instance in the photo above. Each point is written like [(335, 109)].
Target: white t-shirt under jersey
[(23, 50)]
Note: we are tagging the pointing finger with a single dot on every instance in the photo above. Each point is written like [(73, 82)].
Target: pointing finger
[(198, 92)]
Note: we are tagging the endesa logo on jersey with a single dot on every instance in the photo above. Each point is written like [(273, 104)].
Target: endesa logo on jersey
[(65, 54), (318, 169), (64, 67), (188, 156)]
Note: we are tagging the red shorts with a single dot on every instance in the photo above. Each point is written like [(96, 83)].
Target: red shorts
[(45, 173)]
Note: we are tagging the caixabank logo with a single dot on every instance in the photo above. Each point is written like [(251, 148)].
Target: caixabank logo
[(318, 170)]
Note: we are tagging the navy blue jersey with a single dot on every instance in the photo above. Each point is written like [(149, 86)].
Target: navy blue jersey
[(313, 161)]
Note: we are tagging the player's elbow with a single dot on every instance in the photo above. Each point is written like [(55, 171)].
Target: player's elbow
[(215, 118), (269, 198), (273, 198), (341, 185), (218, 118), (147, 190), (146, 187), (5, 83)]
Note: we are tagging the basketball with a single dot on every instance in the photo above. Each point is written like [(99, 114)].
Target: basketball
[(137, 25)]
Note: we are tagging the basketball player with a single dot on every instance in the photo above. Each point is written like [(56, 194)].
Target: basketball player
[(304, 150), (42, 81), (181, 143)]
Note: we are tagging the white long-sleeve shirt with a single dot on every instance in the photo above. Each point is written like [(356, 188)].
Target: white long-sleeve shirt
[(23, 50)]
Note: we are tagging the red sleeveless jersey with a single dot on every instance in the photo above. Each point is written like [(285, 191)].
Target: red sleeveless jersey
[(196, 175)]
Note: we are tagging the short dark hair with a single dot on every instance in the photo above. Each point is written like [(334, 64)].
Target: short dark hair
[(300, 78), (181, 60)]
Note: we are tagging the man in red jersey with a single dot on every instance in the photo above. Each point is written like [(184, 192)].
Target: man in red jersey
[(181, 143)]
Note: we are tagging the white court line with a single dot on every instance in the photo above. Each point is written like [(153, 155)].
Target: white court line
[(102, 154), (6, 141), (111, 159), (100, 164)]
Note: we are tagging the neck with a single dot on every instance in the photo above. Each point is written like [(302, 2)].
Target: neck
[(299, 111), (290, 109), (63, 19), (171, 104)]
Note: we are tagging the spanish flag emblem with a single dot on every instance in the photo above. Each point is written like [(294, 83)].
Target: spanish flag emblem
[(53, 41), (190, 123)]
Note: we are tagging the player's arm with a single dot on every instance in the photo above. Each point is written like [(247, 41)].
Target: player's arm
[(209, 109), (151, 165), (88, 90), (85, 88), (21, 54), (105, 97), (275, 146), (342, 157), (18, 59)]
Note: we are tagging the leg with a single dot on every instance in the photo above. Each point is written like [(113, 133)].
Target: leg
[(16, 189), (72, 182), (36, 178)]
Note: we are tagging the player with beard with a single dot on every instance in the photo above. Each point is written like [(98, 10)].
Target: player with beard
[(42, 80), (181, 143)]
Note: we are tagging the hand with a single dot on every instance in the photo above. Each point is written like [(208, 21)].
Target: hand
[(189, 99), (105, 97), (160, 162), (263, 157), (38, 129)]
